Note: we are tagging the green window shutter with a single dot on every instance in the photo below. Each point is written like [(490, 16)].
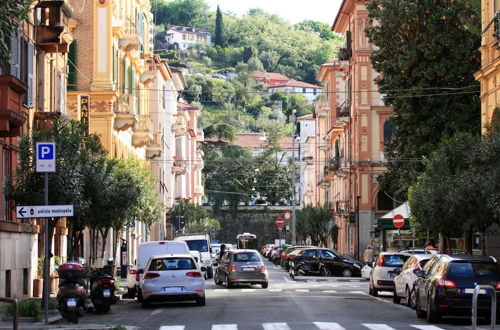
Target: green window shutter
[(133, 89), (129, 80), (72, 66), (115, 66)]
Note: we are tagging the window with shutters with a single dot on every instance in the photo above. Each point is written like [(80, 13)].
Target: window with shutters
[(115, 67), (72, 66), (124, 77)]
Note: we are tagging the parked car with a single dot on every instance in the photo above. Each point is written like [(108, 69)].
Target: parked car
[(285, 253), (241, 267), (324, 262), (265, 249), (274, 255), (447, 287), (385, 270), (172, 277), (199, 262), (403, 283), (200, 243), (420, 251)]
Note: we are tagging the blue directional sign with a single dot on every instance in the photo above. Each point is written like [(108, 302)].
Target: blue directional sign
[(45, 157)]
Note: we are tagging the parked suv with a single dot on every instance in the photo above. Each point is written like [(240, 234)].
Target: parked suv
[(447, 287), (386, 268)]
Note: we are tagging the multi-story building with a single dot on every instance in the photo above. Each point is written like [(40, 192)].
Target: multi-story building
[(270, 78), (310, 91), (490, 61), (182, 37), (351, 129), (306, 160)]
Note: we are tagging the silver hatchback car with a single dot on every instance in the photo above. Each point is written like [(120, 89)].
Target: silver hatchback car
[(172, 277), (241, 267)]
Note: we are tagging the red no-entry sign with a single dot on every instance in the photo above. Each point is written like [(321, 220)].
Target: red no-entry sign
[(398, 221), (280, 222)]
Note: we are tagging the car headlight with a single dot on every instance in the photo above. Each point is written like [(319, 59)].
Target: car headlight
[(357, 265)]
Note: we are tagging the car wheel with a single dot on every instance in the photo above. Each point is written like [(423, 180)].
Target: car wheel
[(410, 294), (418, 309), (145, 304), (265, 285), (373, 291), (395, 298), (432, 315), (131, 293), (346, 272), (227, 282), (210, 272), (139, 295), (217, 281), (201, 301)]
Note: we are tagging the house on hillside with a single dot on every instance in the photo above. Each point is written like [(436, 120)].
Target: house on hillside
[(310, 91), (182, 37), (270, 78)]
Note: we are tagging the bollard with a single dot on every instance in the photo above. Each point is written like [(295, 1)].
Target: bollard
[(491, 291), (15, 317)]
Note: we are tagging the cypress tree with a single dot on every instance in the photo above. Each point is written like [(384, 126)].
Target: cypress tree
[(219, 28)]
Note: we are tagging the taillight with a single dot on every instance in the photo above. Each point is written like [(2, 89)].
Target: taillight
[(446, 283), (137, 277), (162, 243), (105, 282), (262, 268), (498, 286), (132, 271), (233, 268), (79, 290), (193, 274), (380, 261), (151, 275), (64, 290)]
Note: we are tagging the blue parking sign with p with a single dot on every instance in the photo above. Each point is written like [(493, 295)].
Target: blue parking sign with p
[(45, 157)]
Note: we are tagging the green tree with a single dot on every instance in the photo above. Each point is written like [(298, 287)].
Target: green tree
[(196, 217), (13, 13), (322, 29), (427, 54), (219, 29), (316, 224)]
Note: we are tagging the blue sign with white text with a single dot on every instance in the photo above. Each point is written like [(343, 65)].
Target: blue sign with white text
[(45, 151)]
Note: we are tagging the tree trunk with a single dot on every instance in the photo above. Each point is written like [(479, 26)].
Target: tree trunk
[(468, 239), (104, 236), (483, 243)]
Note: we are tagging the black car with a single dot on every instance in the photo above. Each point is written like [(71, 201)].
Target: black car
[(324, 262), (447, 286)]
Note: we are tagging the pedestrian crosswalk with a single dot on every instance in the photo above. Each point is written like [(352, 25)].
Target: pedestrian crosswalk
[(313, 325), (296, 290)]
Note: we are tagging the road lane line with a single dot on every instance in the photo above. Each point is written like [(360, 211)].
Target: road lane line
[(329, 291), (156, 311), (172, 327), (275, 326), (288, 280), (221, 290), (301, 290), (377, 326), (356, 292), (275, 290), (247, 290), (224, 327), (329, 326), (425, 327)]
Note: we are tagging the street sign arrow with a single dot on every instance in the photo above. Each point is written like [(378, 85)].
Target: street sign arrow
[(22, 211)]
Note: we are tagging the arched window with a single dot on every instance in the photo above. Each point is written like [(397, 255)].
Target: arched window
[(387, 131)]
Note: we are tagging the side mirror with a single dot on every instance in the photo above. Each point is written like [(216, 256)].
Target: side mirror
[(419, 272), (140, 271)]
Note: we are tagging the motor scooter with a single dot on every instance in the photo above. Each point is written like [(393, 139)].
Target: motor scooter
[(102, 292), (72, 293), (304, 269)]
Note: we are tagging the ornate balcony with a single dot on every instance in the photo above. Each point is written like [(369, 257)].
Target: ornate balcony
[(142, 131), (52, 33), (321, 109), (179, 126), (153, 149), (125, 116), (343, 112), (179, 166), (130, 40), (12, 114)]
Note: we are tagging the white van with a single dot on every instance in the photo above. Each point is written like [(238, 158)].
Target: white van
[(200, 243), (144, 252)]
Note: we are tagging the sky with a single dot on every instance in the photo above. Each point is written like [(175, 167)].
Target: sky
[(293, 11)]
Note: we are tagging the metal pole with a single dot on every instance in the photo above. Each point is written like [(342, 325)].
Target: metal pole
[(46, 278), (357, 227), (294, 234), (15, 313)]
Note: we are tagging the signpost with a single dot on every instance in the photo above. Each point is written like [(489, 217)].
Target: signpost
[(287, 216), (280, 222), (398, 221), (24, 212)]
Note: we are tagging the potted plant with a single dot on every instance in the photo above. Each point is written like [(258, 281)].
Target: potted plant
[(38, 280), (54, 276)]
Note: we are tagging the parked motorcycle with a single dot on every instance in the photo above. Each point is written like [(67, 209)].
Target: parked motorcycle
[(72, 293), (305, 269), (102, 292)]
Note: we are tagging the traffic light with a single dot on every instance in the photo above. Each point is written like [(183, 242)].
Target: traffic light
[(212, 232)]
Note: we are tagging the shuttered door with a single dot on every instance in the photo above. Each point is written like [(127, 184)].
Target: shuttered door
[(15, 54), (72, 66), (30, 57)]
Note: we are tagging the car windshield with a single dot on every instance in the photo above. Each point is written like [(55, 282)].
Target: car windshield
[(471, 269), (246, 256), (394, 260), (198, 245), (160, 264)]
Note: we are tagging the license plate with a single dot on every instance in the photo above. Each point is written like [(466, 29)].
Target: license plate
[(248, 269), (471, 291), (393, 274), (172, 289), (71, 302), (106, 293)]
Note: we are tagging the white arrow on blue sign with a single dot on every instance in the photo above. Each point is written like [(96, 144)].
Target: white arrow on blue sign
[(45, 157)]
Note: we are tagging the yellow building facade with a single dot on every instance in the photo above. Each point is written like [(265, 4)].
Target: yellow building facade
[(489, 75)]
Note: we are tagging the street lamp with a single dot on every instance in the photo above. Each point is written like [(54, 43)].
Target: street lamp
[(293, 120)]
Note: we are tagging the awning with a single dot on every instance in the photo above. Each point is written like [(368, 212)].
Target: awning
[(403, 209)]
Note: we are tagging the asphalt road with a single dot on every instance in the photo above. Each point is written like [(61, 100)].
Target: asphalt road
[(286, 304)]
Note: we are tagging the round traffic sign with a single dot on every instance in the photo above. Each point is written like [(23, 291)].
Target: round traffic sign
[(280, 222), (288, 215), (398, 221)]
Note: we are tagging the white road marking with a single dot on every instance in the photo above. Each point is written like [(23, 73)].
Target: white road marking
[(156, 311), (329, 326), (377, 326), (275, 290), (356, 292), (301, 290), (224, 326), (426, 327), (275, 326), (247, 290), (329, 291), (288, 280), (172, 327), (221, 290)]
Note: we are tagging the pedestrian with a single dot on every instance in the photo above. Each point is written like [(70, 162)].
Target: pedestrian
[(368, 255)]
